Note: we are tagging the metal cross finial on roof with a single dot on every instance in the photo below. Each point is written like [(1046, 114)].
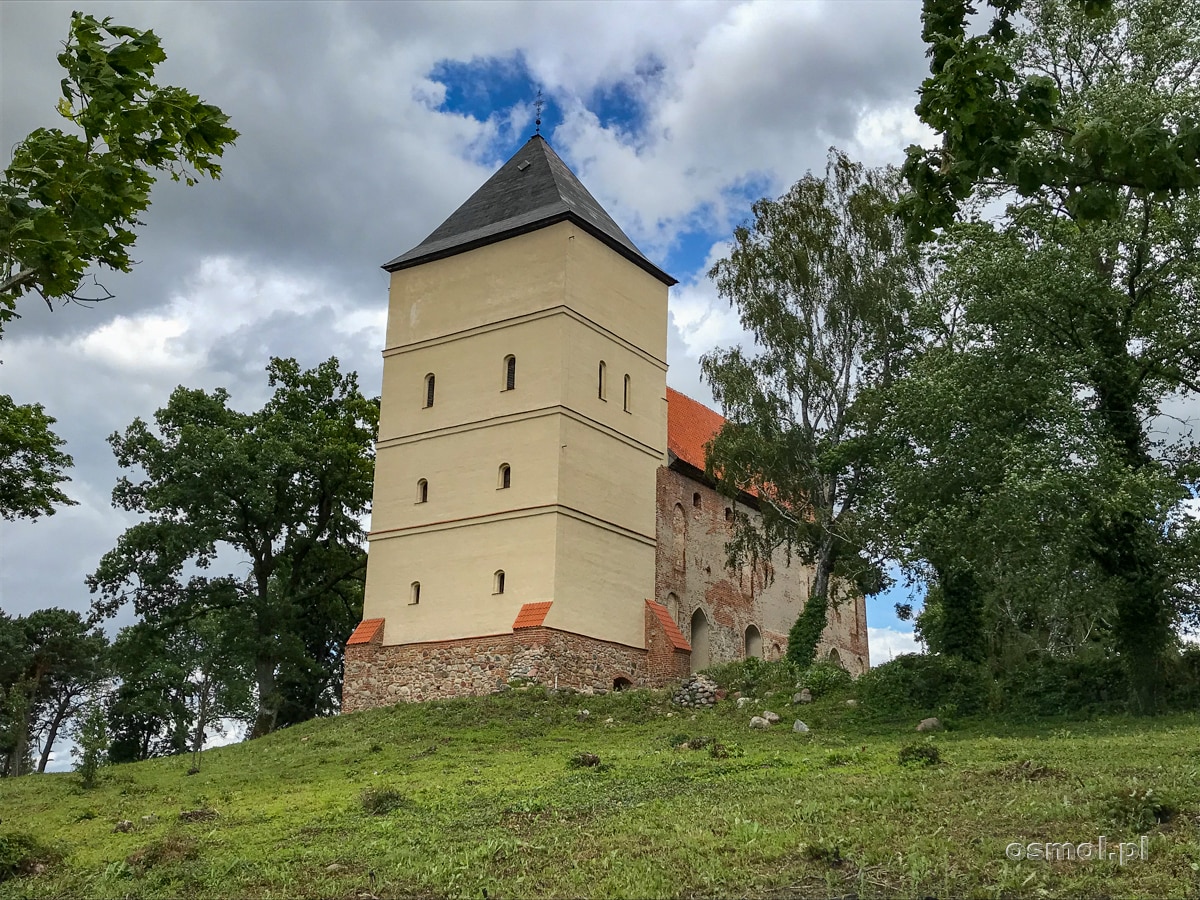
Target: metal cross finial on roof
[(537, 105)]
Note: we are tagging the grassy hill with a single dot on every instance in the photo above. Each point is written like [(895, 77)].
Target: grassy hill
[(486, 795)]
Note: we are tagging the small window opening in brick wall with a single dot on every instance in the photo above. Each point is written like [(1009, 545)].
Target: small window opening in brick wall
[(728, 514), (621, 683), (696, 499)]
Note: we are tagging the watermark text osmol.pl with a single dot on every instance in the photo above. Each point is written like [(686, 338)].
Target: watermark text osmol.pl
[(1100, 849)]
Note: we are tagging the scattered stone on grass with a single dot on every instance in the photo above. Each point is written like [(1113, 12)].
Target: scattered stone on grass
[(123, 827), (584, 760), (930, 724), (852, 702), (759, 722), (804, 696), (800, 727), (743, 702), (771, 717)]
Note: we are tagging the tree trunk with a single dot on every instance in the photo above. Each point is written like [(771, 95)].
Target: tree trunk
[(1127, 549), (201, 715), (60, 715), (268, 702)]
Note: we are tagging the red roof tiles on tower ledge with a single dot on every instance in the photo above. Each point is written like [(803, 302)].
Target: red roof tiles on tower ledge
[(367, 631), (690, 425), (674, 635), (532, 615)]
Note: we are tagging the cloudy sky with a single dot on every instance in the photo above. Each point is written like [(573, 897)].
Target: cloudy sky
[(363, 126)]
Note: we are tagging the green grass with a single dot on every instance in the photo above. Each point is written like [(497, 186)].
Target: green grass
[(455, 798)]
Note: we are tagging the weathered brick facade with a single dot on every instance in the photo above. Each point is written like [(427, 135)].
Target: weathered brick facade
[(692, 579)]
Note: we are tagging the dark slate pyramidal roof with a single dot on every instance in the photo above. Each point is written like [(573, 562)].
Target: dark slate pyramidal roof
[(532, 190)]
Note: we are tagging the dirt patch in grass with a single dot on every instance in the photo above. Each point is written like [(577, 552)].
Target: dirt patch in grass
[(174, 848), (1026, 770), (191, 816)]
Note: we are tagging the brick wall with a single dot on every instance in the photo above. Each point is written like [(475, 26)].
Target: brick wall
[(691, 566)]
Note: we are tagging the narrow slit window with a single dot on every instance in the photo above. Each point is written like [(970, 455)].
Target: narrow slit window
[(429, 384), (498, 582), (422, 491), (600, 379), (505, 479), (510, 373), (414, 594), (696, 500), (625, 397)]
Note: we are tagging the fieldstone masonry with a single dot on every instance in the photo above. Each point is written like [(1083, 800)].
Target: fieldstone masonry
[(386, 674)]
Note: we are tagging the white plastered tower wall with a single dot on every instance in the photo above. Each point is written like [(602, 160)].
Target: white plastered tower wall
[(577, 525)]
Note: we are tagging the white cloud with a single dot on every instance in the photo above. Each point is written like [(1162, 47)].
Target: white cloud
[(888, 643)]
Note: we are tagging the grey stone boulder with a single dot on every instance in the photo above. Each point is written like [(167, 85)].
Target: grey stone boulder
[(800, 727), (804, 696), (743, 702), (771, 717), (760, 723), (930, 724)]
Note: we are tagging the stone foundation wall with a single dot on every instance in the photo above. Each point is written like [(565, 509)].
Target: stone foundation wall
[(382, 675)]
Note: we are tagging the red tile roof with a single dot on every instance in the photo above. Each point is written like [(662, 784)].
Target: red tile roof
[(367, 631), (532, 615), (674, 635), (690, 425)]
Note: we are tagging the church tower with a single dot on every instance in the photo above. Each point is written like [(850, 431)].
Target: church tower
[(522, 426)]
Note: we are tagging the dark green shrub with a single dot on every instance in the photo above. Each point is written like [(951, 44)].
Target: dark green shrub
[(1138, 809), (923, 684), (918, 755), (20, 853), (755, 677), (1051, 686), (583, 761), (824, 678)]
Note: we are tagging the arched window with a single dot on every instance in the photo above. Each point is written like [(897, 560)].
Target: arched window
[(625, 399), (498, 582), (414, 596), (699, 640), (429, 390), (753, 642), (505, 478), (422, 491), (510, 373), (835, 657), (601, 381), (621, 683), (673, 605), (696, 499)]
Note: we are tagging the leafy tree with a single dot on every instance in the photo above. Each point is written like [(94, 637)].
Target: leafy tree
[(824, 279), (91, 748), (72, 201), (276, 494), (1012, 121), (31, 463), (175, 681), (1085, 120), (55, 658)]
